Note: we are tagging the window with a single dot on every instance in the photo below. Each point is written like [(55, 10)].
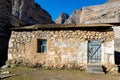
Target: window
[(41, 45)]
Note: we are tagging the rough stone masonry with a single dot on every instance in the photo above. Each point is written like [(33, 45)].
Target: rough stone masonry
[(64, 47)]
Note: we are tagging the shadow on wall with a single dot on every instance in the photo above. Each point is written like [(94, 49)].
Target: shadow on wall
[(4, 43), (117, 59)]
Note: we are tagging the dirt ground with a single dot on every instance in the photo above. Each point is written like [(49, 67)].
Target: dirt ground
[(55, 74)]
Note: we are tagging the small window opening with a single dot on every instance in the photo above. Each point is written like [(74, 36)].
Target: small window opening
[(41, 46)]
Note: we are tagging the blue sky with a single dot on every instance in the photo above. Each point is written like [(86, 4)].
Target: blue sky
[(55, 7)]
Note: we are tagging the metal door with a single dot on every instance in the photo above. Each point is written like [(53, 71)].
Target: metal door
[(94, 51)]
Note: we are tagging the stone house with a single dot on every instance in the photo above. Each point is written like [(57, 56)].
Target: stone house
[(63, 45)]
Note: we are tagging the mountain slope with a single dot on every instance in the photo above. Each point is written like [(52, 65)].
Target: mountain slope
[(106, 13), (30, 12)]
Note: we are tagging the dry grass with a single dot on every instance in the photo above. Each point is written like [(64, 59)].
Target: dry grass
[(42, 74)]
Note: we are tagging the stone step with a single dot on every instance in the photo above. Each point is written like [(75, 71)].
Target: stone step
[(94, 66), (95, 69)]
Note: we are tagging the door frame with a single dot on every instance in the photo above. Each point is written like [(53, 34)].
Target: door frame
[(101, 52)]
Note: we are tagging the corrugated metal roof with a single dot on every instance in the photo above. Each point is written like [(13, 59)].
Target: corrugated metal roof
[(59, 26)]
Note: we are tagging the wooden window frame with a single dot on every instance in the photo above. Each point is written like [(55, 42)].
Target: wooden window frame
[(41, 45)]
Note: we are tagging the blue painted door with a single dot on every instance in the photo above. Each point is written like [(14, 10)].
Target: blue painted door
[(94, 51)]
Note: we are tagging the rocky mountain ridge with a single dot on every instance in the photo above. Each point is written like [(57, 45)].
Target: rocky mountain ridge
[(62, 18), (105, 13), (110, 1), (74, 18)]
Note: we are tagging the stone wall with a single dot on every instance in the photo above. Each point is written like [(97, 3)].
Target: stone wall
[(65, 48), (117, 43)]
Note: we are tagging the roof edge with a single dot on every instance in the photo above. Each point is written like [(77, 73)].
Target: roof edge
[(59, 26)]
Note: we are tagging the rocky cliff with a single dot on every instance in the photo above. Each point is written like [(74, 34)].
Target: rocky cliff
[(65, 19), (106, 13), (29, 12), (62, 18)]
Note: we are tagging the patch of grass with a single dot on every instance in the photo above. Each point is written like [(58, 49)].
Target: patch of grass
[(25, 73)]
